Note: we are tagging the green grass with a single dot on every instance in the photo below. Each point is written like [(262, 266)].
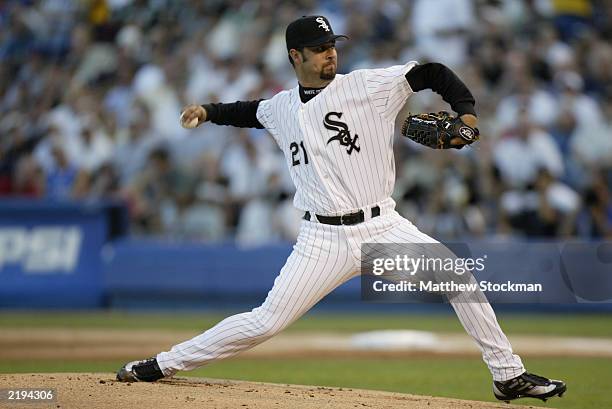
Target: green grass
[(466, 378), (591, 325)]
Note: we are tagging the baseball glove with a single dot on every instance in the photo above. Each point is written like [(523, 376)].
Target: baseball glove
[(437, 130)]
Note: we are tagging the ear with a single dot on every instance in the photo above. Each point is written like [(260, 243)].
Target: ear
[(295, 55)]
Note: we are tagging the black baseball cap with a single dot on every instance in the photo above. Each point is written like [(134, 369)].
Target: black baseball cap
[(310, 31)]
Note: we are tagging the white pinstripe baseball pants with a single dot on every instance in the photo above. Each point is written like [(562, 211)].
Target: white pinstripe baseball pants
[(323, 258)]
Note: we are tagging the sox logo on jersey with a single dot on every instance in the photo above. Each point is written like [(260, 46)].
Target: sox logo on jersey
[(344, 135)]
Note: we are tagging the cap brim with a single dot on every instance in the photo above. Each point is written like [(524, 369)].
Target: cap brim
[(326, 39)]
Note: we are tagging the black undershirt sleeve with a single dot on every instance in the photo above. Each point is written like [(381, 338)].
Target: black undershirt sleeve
[(443, 81), (242, 114)]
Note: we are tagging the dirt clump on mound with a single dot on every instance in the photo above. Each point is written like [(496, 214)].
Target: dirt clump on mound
[(100, 390)]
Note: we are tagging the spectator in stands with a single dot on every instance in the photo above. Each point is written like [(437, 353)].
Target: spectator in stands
[(92, 148), (205, 216), (526, 149), (546, 209), (591, 144), (99, 185), (596, 221), (131, 152), (28, 178), (61, 177), (528, 99), (439, 39), (159, 193)]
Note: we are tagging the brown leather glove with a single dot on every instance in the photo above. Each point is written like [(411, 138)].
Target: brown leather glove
[(437, 130)]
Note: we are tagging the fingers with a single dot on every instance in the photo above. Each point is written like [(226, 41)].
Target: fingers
[(192, 116), (470, 120)]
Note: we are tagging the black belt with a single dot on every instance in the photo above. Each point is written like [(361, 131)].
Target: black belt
[(345, 219)]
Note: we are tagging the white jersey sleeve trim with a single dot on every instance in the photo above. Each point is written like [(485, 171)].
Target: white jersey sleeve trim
[(388, 89)]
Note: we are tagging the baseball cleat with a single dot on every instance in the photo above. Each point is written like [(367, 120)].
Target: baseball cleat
[(140, 371), (528, 385)]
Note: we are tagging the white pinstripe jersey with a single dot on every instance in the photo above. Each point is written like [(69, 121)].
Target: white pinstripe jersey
[(339, 145)]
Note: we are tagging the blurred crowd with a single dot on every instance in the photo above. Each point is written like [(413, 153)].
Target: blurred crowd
[(91, 92)]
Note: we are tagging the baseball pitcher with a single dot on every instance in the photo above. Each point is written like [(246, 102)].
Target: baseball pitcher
[(336, 132)]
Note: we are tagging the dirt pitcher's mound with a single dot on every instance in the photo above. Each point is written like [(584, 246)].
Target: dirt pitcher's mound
[(80, 390)]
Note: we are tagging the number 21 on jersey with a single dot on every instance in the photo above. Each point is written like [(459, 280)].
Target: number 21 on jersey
[(295, 153)]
